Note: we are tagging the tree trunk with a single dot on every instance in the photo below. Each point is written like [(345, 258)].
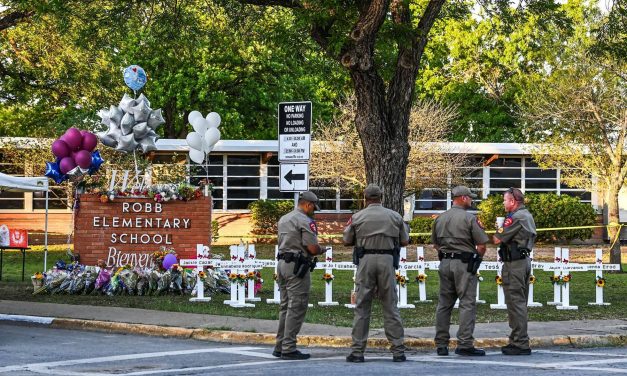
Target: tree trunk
[(613, 217), (383, 138)]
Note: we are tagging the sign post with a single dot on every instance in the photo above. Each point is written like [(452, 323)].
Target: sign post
[(294, 146)]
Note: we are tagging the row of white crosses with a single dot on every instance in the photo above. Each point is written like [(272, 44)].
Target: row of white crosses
[(243, 260)]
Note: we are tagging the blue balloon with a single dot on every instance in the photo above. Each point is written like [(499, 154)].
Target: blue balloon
[(135, 77), (53, 172), (96, 161)]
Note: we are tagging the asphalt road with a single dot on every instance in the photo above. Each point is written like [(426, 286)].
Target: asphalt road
[(35, 350)]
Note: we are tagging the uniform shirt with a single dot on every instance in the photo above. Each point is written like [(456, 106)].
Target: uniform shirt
[(376, 227), (518, 227), (297, 231), (457, 230)]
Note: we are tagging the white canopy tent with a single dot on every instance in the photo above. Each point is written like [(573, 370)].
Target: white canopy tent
[(28, 184)]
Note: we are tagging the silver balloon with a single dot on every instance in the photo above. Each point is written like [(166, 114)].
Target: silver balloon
[(104, 116), (127, 143), (148, 143), (106, 140), (140, 130), (141, 112), (155, 119), (127, 123), (142, 98), (77, 174), (115, 114), (127, 103)]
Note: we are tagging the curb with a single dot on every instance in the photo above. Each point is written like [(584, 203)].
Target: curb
[(579, 341)]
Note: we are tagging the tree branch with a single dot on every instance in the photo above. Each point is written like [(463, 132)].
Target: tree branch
[(281, 3), (13, 18)]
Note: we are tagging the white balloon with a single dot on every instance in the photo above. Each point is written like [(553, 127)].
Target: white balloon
[(206, 148), (214, 120), (194, 115), (197, 156), (212, 136), (200, 125), (194, 140)]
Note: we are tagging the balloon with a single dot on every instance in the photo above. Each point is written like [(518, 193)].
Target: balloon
[(127, 123), (83, 159), (207, 149), (140, 130), (106, 140), (115, 114), (193, 116), (104, 116), (53, 172), (142, 98), (127, 143), (155, 119), (194, 140), (96, 161), (90, 141), (127, 103), (197, 156), (214, 119), (141, 112), (60, 149), (212, 136), (66, 164), (135, 77), (73, 138), (148, 143), (169, 260)]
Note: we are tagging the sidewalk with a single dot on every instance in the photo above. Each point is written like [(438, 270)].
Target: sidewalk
[(245, 330)]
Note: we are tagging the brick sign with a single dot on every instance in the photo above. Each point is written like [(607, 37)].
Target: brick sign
[(127, 230)]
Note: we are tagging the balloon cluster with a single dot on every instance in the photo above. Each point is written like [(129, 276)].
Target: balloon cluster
[(206, 135), (75, 156), (132, 125)]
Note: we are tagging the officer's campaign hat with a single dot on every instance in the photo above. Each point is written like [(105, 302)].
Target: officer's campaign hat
[(311, 197), (461, 190), (372, 191)]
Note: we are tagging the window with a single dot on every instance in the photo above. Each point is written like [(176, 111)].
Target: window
[(242, 181), (505, 173), (11, 200), (214, 171), (539, 180), (57, 199), (432, 199)]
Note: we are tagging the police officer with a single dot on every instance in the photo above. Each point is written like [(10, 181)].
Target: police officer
[(377, 233), (459, 239), (298, 243), (516, 239)]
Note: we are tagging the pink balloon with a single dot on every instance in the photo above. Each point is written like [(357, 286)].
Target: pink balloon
[(83, 158), (90, 141), (169, 260), (73, 138), (60, 149), (66, 164)]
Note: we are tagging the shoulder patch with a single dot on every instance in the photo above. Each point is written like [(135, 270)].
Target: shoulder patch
[(313, 227), (500, 230), (508, 222), (480, 224)]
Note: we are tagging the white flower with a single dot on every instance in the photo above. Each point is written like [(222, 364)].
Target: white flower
[(174, 197), (166, 198), (111, 197)]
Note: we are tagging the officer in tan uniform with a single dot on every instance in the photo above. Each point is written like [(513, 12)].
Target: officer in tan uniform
[(460, 240), (377, 234), (516, 239), (298, 243)]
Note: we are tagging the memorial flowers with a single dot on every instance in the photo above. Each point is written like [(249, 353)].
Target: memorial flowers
[(159, 193), (421, 278), (555, 279), (566, 278), (600, 282), (38, 280), (532, 279), (498, 279), (401, 280), (328, 277)]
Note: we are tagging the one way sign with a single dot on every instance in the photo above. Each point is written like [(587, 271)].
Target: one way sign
[(294, 177)]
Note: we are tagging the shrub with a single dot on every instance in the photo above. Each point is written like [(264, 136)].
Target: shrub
[(549, 211), (265, 214), (421, 224), (215, 231)]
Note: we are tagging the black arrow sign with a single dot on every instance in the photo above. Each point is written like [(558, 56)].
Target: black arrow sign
[(289, 177)]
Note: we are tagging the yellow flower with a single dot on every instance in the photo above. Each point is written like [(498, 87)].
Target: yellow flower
[(420, 278), (601, 282), (566, 278), (532, 279), (499, 280), (202, 275), (232, 276)]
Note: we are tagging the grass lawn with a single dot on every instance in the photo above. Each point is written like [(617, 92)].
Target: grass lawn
[(582, 292)]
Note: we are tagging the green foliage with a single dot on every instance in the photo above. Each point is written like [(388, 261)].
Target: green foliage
[(265, 214), (215, 231), (549, 211), (424, 225)]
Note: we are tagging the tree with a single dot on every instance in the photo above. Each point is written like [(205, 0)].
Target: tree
[(381, 43), (337, 158), (583, 111)]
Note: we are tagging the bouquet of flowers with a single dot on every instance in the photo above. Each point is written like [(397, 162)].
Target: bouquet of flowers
[(103, 280), (177, 278), (37, 280), (129, 280), (163, 285), (142, 281), (90, 279), (153, 281)]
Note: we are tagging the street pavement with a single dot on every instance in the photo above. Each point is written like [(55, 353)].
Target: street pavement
[(30, 349)]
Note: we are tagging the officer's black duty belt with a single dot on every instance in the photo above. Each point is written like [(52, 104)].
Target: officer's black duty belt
[(287, 257), (451, 255), (378, 252)]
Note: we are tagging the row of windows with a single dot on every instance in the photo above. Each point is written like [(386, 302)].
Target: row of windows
[(239, 180)]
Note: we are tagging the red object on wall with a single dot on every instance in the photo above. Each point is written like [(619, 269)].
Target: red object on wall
[(18, 238)]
